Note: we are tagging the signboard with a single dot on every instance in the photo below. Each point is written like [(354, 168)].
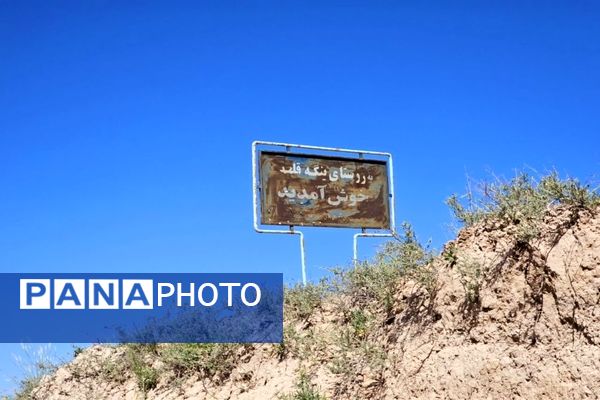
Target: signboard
[(315, 190)]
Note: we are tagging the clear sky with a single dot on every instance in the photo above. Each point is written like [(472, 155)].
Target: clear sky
[(125, 127)]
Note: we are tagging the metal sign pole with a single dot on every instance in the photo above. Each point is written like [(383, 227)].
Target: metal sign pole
[(291, 231), (392, 214)]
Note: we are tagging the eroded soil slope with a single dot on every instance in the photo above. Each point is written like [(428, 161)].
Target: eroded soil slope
[(491, 317)]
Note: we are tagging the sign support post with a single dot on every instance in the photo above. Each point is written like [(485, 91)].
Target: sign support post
[(392, 214), (291, 231)]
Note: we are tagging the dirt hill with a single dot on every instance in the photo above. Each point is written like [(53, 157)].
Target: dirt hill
[(509, 309)]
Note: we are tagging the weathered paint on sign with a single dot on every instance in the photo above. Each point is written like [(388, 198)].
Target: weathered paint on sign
[(315, 190)]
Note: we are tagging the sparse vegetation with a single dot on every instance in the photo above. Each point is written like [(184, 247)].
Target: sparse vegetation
[(522, 201), (26, 387), (359, 322), (354, 357), (471, 273), (375, 284), (302, 301), (77, 350), (146, 375), (302, 343), (35, 364), (450, 254), (305, 390), (210, 360), (113, 371), (365, 298), (286, 347)]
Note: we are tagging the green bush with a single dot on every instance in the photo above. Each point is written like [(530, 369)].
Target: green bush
[(300, 301), (359, 321)]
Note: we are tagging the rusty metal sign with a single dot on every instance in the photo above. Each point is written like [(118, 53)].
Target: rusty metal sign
[(314, 190)]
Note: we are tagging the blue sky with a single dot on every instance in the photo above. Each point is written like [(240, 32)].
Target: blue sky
[(125, 128)]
